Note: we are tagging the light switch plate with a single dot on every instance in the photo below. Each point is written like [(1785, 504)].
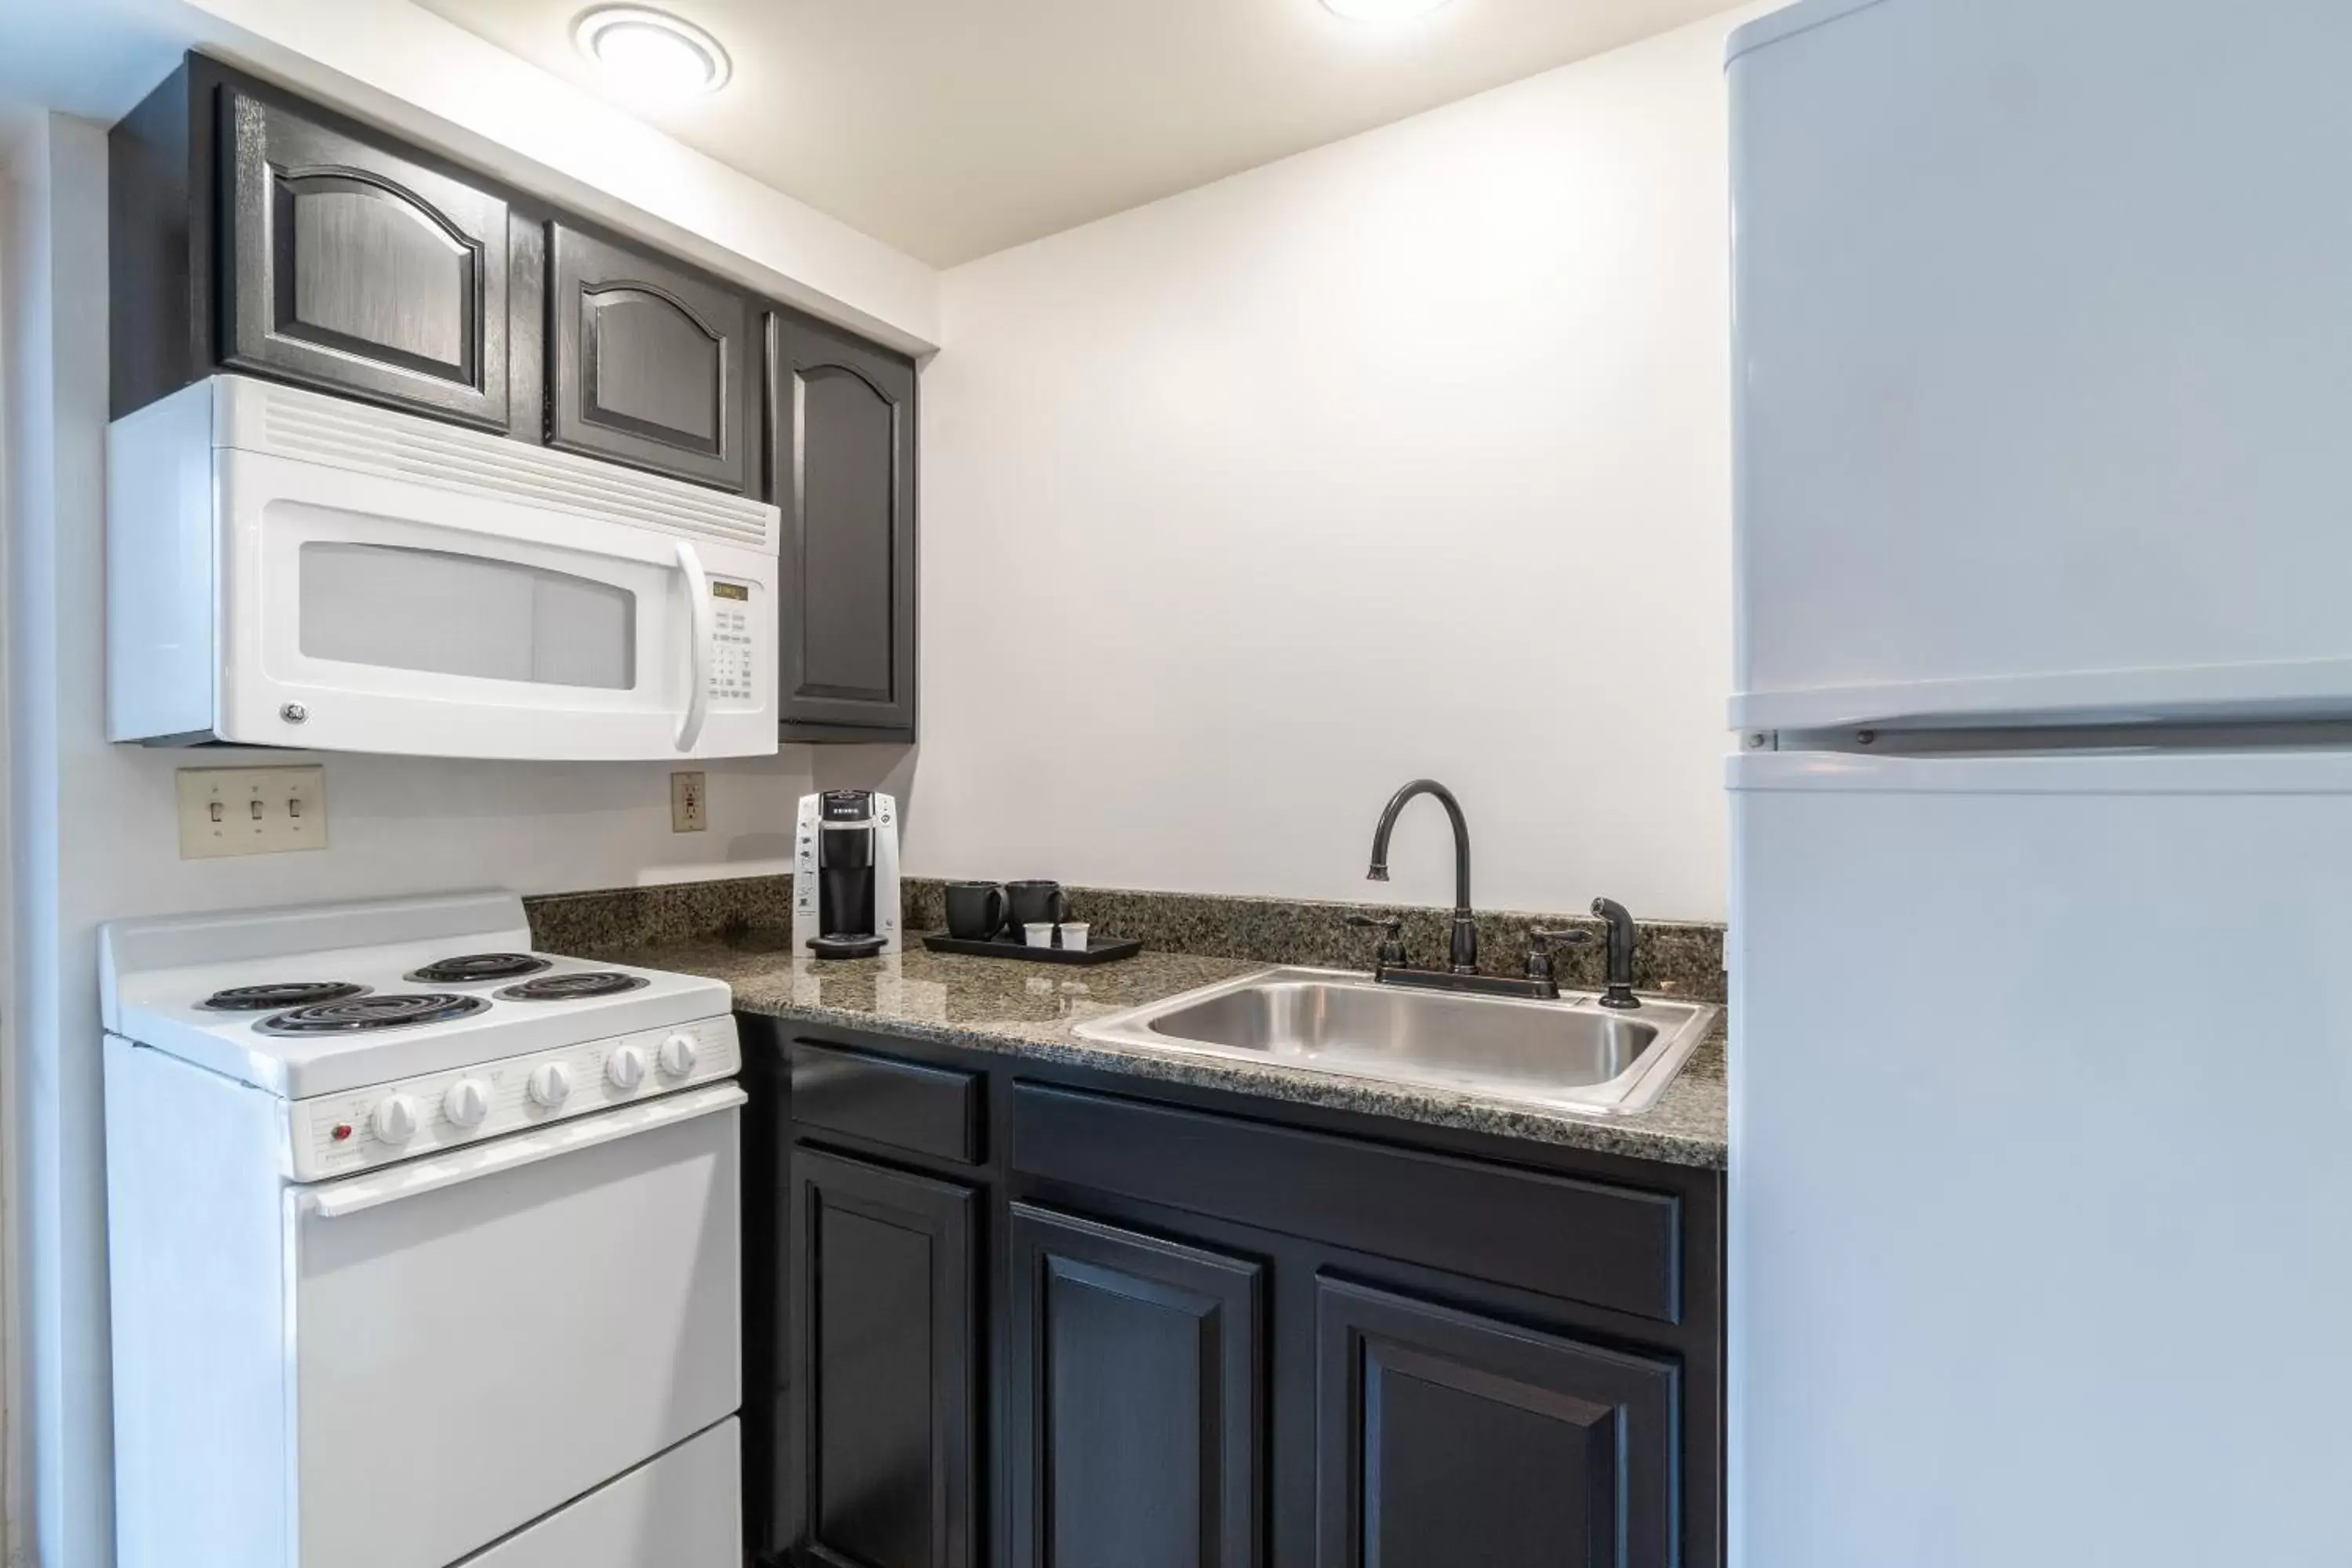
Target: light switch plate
[(251, 811), (690, 803)]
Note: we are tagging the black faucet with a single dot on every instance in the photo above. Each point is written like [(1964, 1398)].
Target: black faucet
[(1461, 973), (1618, 985), (1464, 955), (1540, 980)]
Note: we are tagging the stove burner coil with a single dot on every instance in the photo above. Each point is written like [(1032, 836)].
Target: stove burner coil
[(279, 994), (363, 1015), (477, 966), (572, 987)]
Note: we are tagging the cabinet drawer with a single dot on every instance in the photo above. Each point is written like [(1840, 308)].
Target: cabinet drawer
[(937, 1112), (1616, 1248)]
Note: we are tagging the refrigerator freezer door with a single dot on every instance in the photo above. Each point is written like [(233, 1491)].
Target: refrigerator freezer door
[(2041, 1132), (2043, 359)]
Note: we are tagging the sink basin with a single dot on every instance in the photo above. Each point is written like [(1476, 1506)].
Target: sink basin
[(1572, 1054)]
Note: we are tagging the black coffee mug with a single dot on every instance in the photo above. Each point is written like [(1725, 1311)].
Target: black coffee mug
[(1034, 903), (976, 911)]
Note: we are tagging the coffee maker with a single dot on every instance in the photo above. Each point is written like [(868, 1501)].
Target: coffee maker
[(846, 875)]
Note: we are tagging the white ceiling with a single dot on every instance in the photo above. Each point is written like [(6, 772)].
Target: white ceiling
[(955, 128)]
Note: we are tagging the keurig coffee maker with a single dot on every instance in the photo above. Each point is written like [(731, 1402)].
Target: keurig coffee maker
[(846, 875)]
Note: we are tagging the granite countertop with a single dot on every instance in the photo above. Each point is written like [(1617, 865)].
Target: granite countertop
[(1031, 1010)]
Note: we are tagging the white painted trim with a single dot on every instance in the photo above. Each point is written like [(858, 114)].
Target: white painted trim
[(12, 1544), (56, 301)]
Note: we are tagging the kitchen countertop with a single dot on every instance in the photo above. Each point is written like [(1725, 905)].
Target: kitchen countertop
[(1031, 1010)]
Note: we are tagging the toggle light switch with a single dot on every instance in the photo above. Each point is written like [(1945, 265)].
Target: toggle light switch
[(251, 811)]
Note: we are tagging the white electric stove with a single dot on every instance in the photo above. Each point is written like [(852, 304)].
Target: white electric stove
[(425, 1246)]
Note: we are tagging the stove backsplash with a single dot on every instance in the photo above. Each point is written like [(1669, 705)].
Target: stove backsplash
[(644, 917)]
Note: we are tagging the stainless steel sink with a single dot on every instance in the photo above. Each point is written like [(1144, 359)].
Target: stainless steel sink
[(1571, 1053)]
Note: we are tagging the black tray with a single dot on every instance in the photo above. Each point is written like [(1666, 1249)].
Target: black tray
[(1098, 949)]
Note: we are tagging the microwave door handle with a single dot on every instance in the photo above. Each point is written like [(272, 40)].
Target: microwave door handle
[(697, 654)]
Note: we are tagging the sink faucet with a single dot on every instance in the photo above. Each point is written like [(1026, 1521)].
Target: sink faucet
[(1465, 956)]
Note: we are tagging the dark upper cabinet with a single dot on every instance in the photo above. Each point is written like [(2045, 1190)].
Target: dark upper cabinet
[(840, 464), (354, 270), (648, 363), (882, 1401), (1445, 1437), (1133, 1398), (248, 231)]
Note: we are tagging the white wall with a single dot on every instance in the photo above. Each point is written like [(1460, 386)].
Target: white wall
[(94, 837), (1406, 455)]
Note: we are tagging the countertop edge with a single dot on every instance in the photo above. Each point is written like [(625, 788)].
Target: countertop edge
[(1411, 1104)]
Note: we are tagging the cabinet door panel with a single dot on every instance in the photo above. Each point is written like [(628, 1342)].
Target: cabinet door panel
[(882, 1392), (842, 466), (1134, 1400), (359, 271), (1445, 1437), (648, 362)]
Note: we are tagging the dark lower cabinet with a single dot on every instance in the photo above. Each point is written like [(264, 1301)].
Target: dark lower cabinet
[(1133, 1399), (840, 464), (648, 363), (354, 270), (1179, 1327), (882, 1407), (1442, 1436)]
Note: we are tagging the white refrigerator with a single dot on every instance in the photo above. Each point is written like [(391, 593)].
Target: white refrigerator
[(2042, 960)]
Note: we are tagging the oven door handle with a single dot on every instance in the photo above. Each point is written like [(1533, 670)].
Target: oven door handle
[(376, 1188), (698, 653)]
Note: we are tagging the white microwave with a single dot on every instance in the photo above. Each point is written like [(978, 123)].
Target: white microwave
[(288, 569)]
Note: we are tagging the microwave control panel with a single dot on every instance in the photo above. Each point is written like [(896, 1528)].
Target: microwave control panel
[(734, 649)]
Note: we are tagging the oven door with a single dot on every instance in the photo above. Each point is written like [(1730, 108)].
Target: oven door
[(680, 1510), (367, 612), (483, 1336)]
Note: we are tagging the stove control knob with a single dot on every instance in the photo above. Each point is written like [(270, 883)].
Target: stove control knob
[(677, 1055), (626, 1068), (467, 1103), (395, 1119), (551, 1084)]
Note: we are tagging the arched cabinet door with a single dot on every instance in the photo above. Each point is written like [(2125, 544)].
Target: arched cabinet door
[(355, 270), (841, 465), (649, 365)]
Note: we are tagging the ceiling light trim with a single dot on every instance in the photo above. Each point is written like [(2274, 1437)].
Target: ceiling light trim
[(1380, 11), (595, 24)]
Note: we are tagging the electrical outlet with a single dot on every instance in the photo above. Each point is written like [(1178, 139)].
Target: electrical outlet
[(251, 811), (688, 803)]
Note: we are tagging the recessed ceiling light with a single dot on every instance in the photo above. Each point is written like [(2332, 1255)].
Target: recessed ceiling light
[(651, 52), (1381, 10)]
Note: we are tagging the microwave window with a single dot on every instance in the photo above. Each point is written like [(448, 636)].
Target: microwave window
[(465, 614)]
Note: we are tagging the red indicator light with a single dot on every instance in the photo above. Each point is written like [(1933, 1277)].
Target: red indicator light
[(342, 1131)]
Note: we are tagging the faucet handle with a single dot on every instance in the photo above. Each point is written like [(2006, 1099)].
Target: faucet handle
[(1539, 946), (1392, 928)]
